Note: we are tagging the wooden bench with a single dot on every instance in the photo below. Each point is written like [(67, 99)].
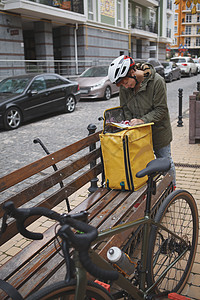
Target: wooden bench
[(40, 263)]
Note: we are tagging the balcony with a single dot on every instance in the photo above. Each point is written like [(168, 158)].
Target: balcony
[(62, 11), (148, 3), (72, 5), (142, 24)]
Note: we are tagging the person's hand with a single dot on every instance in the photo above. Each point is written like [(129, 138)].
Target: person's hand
[(134, 122)]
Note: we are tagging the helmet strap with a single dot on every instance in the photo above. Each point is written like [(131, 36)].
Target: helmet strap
[(134, 77)]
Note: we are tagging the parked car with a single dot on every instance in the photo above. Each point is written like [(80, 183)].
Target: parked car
[(172, 71), (94, 83), (187, 65), (197, 62), (23, 98), (155, 63)]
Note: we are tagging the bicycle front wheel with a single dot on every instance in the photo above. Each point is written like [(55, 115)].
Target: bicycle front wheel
[(63, 291), (179, 214)]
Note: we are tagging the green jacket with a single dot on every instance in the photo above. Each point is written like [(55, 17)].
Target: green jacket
[(150, 105)]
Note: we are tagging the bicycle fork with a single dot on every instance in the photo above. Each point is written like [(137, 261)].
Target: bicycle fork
[(81, 277)]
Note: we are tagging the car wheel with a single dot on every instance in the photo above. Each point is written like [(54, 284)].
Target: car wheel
[(107, 94), (196, 73), (12, 118), (190, 73), (70, 104)]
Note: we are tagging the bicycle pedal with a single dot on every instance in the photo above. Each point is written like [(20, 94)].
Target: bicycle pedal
[(175, 296), (105, 285)]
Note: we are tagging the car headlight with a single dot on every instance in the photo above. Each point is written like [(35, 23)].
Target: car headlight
[(97, 85)]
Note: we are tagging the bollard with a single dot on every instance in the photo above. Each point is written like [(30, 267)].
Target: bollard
[(92, 128), (198, 86), (180, 116)]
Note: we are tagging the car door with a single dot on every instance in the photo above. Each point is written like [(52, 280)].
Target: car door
[(56, 92), (34, 106), (174, 70), (192, 65)]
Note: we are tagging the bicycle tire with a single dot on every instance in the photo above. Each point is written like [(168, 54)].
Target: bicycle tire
[(63, 291), (178, 212)]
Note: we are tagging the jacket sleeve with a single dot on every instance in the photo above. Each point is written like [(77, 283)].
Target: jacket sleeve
[(159, 102), (123, 102)]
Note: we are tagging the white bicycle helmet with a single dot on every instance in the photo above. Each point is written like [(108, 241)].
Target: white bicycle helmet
[(119, 68)]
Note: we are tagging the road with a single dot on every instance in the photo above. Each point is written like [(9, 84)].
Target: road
[(17, 147)]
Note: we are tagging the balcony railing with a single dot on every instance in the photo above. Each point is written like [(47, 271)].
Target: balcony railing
[(142, 24), (72, 5)]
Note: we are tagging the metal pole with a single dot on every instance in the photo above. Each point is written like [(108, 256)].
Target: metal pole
[(38, 141), (92, 128), (198, 86), (180, 116)]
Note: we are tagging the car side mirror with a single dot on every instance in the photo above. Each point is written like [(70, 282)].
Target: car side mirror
[(32, 93)]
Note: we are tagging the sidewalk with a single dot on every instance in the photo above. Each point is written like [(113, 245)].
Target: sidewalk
[(187, 160), (188, 178)]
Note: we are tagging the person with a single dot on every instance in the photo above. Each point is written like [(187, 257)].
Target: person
[(143, 96)]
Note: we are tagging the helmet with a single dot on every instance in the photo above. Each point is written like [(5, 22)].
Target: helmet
[(119, 68)]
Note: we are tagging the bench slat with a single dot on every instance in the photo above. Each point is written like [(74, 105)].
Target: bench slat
[(55, 199), (49, 181), (45, 162), (20, 259)]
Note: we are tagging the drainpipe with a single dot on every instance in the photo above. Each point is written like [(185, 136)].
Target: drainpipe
[(157, 48), (76, 46)]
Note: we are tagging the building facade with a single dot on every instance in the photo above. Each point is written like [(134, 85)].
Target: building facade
[(68, 36), (186, 30)]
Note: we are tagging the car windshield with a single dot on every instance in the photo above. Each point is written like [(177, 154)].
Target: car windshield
[(179, 60), (166, 65), (95, 72), (13, 85)]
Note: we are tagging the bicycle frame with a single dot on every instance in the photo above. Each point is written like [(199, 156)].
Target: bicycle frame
[(122, 281), (147, 221)]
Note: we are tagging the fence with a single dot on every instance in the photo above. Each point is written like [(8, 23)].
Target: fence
[(67, 68)]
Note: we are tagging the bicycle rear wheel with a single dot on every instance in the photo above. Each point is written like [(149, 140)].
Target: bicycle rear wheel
[(179, 214), (62, 291)]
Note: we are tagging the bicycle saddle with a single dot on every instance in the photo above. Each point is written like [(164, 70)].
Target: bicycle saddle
[(154, 167)]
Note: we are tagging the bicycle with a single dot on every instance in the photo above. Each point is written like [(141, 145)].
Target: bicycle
[(169, 242)]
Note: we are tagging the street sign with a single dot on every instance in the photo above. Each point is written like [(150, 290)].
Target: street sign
[(151, 48)]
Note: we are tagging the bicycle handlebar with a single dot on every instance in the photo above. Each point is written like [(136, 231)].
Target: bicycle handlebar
[(81, 241), (21, 214)]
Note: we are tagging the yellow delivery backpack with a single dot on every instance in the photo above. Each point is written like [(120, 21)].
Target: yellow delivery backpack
[(125, 151)]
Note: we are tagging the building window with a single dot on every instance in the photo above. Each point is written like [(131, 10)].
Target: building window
[(188, 30), (188, 18), (198, 29), (197, 41), (175, 29), (138, 16), (198, 18), (130, 21), (169, 4), (91, 9), (176, 17), (175, 41), (187, 41)]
